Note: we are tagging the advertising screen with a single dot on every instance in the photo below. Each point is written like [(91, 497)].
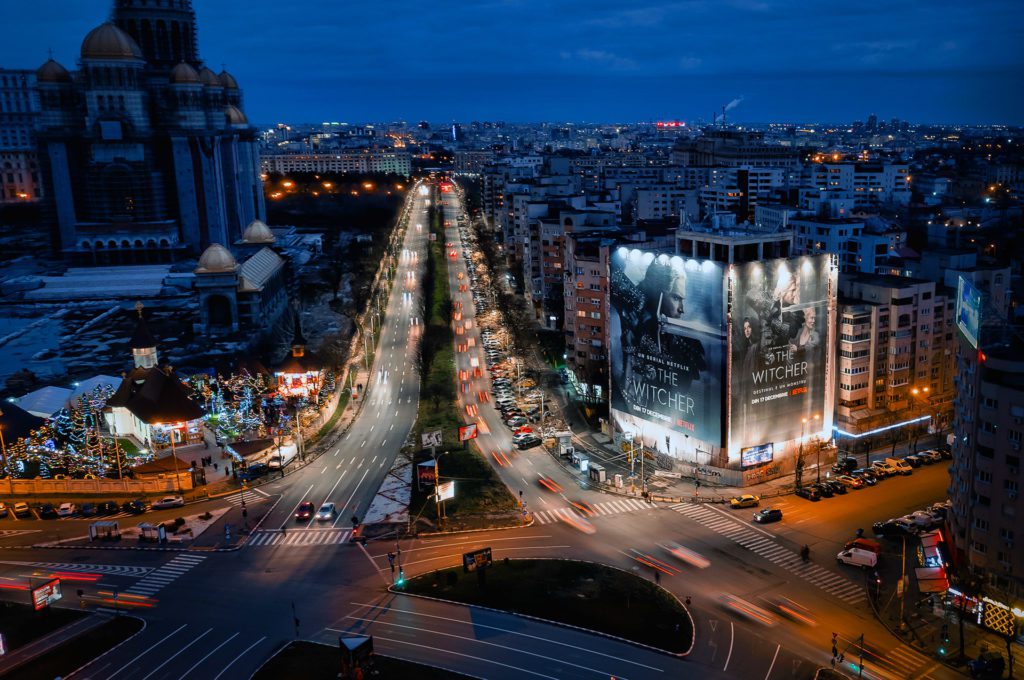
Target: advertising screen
[(968, 310), (46, 594), (757, 455), (779, 348), (667, 330), (467, 432)]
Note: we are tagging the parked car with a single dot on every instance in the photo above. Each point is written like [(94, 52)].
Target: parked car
[(516, 421), (850, 481), (304, 511), (907, 524), (837, 487), (88, 510), (747, 500), (865, 544), (932, 454), (808, 492), (869, 477), (883, 468), (888, 529), (857, 558), (844, 466), (22, 510), (107, 508), (66, 509), (824, 489), (528, 443), (327, 512), (915, 460), (47, 511), (768, 515), (3, 510), (136, 507), (169, 502)]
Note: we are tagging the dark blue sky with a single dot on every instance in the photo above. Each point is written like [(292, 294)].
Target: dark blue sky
[(586, 60)]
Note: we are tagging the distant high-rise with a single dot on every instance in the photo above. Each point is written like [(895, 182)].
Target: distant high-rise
[(456, 132), (19, 110), (872, 123), (146, 154)]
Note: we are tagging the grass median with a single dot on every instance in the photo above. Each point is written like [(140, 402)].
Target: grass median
[(583, 594)]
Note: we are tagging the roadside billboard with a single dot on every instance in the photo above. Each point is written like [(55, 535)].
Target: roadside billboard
[(779, 349), (667, 331), (968, 310), (46, 594)]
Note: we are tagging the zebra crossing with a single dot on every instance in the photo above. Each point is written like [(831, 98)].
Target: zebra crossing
[(830, 582), (600, 509), (904, 661), (159, 578), (108, 569), (250, 496), (300, 537)]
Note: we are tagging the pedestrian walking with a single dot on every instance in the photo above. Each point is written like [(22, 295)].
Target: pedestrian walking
[(657, 577), (215, 467)]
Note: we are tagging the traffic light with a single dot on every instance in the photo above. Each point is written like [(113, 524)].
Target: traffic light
[(945, 632), (401, 577)]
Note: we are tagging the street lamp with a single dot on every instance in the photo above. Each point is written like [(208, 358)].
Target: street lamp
[(174, 455)]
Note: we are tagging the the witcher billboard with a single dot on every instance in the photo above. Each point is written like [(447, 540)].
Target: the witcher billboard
[(667, 330), (779, 349)]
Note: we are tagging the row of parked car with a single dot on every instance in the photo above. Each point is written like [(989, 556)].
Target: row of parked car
[(914, 523), (850, 476), (138, 506)]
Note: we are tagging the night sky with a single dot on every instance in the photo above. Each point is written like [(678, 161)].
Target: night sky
[(588, 60)]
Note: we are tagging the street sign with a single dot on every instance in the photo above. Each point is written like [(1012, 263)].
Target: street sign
[(431, 439), (477, 559), (46, 594), (467, 432), (446, 491)]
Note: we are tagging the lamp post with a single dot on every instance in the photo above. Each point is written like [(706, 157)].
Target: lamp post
[(174, 455), (817, 463), (921, 397)]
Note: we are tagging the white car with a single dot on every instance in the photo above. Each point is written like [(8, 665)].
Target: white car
[(66, 510), (326, 512), (169, 502)]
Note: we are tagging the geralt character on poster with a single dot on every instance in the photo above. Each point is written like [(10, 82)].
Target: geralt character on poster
[(666, 344)]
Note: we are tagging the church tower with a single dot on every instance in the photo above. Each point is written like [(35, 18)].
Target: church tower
[(166, 31), (143, 344)]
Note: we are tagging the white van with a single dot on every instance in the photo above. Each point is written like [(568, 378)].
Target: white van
[(901, 466), (857, 558)]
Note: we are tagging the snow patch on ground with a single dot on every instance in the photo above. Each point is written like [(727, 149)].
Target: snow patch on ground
[(391, 504)]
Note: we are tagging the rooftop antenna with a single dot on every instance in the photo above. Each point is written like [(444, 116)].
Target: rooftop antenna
[(723, 116)]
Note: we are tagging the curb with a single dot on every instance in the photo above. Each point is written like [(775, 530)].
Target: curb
[(475, 531), (678, 655)]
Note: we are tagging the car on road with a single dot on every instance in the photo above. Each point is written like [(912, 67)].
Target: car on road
[(304, 511), (850, 481), (932, 454), (881, 467), (107, 508), (888, 529), (66, 509), (169, 502), (88, 510), (684, 554), (808, 492), (3, 510), (47, 511), (135, 507), (768, 515), (915, 460), (747, 500), (746, 609), (326, 512), (21, 509)]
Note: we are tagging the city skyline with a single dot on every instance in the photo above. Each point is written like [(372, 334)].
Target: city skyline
[(465, 63)]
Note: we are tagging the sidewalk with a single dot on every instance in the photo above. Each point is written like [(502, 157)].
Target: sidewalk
[(26, 653)]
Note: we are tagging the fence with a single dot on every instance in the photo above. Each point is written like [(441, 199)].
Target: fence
[(39, 487)]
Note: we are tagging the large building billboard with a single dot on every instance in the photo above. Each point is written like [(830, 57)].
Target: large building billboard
[(779, 345), (667, 330), (968, 310)]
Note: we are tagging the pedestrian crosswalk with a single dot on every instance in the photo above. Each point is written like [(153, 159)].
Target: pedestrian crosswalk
[(250, 496), (902, 660), (159, 578), (301, 537), (830, 582), (108, 569), (598, 510)]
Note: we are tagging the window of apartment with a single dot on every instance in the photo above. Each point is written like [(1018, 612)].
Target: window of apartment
[(980, 524), (1010, 485), (581, 313), (986, 426), (980, 547), (1006, 534), (989, 402), (595, 315), (1014, 436), (984, 476)]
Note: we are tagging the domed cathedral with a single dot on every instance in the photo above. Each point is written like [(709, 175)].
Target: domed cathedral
[(147, 154)]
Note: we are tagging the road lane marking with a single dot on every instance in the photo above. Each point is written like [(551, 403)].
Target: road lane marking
[(343, 473), (769, 673), (296, 506), (374, 460), (208, 654), (154, 646), (363, 444), (732, 638), (482, 642), (367, 470), (168, 660), (476, 624), (467, 656), (244, 652), (323, 470)]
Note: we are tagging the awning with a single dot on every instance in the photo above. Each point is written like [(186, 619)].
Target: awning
[(931, 579)]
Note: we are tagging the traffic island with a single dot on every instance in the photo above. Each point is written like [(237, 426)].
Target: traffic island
[(593, 597), (315, 661)]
